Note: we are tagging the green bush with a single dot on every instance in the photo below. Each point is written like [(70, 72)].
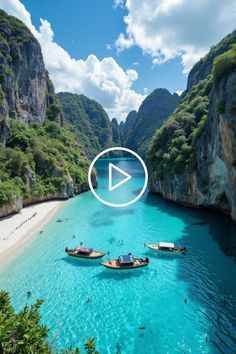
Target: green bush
[(54, 107), (6, 193), (23, 332), (224, 64)]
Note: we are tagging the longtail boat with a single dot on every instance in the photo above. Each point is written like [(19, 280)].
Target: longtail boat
[(166, 247), (84, 252), (126, 262)]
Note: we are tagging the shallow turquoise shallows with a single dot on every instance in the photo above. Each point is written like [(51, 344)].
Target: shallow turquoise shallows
[(139, 311)]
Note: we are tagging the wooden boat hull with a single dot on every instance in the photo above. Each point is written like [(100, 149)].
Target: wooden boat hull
[(92, 255), (114, 264), (154, 247)]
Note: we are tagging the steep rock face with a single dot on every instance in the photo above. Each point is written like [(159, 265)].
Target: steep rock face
[(14, 206), (205, 176), (213, 183), (25, 89), (121, 132), (116, 139), (151, 114), (90, 121), (126, 128)]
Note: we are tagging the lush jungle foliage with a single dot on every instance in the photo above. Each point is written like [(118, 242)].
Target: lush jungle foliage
[(38, 160), (23, 333), (224, 64), (89, 120), (173, 145)]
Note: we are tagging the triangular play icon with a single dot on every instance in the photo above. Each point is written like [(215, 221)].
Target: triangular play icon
[(124, 180)]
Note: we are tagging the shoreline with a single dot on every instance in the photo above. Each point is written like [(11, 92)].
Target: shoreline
[(18, 229)]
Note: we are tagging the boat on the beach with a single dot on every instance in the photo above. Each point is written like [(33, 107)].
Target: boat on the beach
[(84, 252), (166, 247), (126, 262)]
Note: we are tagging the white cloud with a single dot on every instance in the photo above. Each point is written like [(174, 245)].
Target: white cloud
[(124, 42), (179, 92), (118, 3), (103, 80), (165, 29)]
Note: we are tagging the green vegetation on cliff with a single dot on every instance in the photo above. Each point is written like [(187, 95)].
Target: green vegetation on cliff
[(224, 64), (89, 120), (172, 151), (173, 146), (40, 161), (23, 333), (204, 66)]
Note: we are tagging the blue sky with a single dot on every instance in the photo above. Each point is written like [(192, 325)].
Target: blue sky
[(88, 26), (90, 46)]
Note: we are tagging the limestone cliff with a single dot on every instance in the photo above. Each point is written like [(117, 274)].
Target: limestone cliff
[(26, 92), (40, 157), (193, 157)]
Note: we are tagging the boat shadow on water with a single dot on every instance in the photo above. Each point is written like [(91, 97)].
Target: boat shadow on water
[(80, 262), (120, 275), (163, 255)]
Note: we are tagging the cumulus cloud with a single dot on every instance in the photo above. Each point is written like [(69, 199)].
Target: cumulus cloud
[(103, 80), (165, 29)]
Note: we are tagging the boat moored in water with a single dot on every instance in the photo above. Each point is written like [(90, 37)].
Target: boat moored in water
[(126, 262), (166, 247), (84, 252)]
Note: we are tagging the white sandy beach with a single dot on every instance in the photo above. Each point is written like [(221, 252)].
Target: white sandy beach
[(18, 228)]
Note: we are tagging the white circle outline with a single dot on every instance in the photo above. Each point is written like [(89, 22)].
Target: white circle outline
[(122, 204)]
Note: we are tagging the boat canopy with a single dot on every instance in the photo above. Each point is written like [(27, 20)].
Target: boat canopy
[(84, 250), (166, 245), (127, 259)]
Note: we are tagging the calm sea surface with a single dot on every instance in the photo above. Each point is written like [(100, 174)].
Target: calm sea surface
[(83, 299)]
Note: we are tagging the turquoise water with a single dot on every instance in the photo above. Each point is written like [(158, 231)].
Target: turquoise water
[(84, 299)]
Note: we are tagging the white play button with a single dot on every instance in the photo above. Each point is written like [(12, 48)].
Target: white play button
[(110, 177), (121, 172)]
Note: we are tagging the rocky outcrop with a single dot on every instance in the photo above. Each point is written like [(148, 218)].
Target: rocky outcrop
[(26, 92), (116, 138), (11, 208), (213, 182)]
